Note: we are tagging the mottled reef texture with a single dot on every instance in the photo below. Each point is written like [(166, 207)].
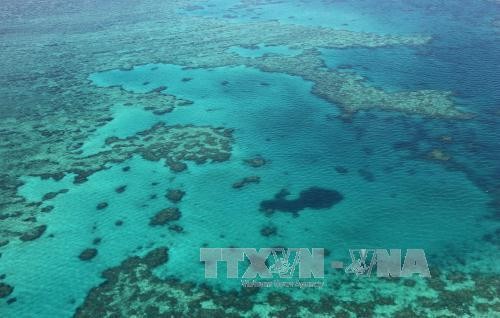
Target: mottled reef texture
[(174, 145), (45, 124), (132, 289)]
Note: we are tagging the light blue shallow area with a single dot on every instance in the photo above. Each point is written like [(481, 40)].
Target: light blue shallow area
[(410, 204), (126, 122)]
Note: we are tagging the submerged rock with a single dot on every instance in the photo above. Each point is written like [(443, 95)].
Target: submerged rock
[(159, 89), (177, 166), (156, 257), (102, 206), (88, 254), (49, 196), (176, 228), (52, 195), (5, 290), (255, 162), (174, 195), (269, 231), (243, 182), (121, 189), (164, 216), (163, 111), (47, 208), (34, 233)]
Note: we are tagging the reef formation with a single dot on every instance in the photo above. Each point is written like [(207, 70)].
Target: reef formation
[(132, 289)]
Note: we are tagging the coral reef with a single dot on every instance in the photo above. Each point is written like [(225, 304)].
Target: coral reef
[(176, 228), (88, 254), (33, 233), (174, 195), (121, 189), (5, 290), (269, 231), (173, 144), (351, 92), (245, 181), (102, 205), (255, 162), (133, 289), (165, 216)]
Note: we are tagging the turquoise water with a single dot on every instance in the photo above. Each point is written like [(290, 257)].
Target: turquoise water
[(393, 195)]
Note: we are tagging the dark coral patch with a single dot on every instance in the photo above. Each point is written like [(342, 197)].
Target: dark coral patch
[(314, 198), (121, 189), (176, 228), (245, 181), (47, 208), (159, 89), (164, 216), (88, 254), (156, 257), (102, 206), (34, 233), (255, 162), (52, 195), (269, 231), (5, 290), (49, 196), (174, 195)]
